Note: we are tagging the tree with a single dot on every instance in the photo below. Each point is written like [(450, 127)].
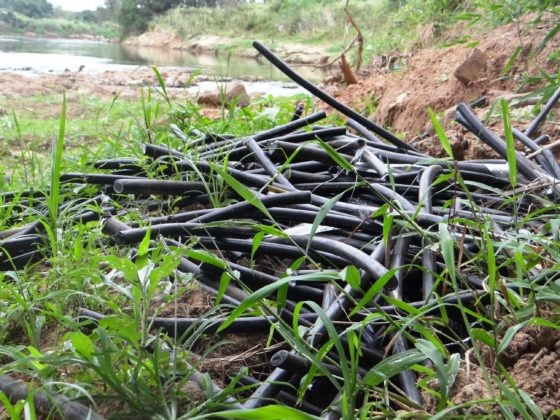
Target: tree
[(135, 15), (109, 11), (31, 8)]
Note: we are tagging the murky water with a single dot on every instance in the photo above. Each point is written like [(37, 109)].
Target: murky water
[(41, 55)]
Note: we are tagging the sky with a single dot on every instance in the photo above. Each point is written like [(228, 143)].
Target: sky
[(77, 5)]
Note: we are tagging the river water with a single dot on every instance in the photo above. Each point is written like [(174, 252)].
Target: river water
[(43, 55)]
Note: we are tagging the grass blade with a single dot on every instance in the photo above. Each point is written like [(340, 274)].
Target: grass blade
[(161, 83), (271, 412), (510, 145), (56, 166), (509, 65), (392, 365), (242, 190), (325, 208), (257, 297), (448, 250), (441, 134), (337, 157)]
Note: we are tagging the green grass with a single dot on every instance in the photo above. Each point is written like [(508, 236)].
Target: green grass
[(30, 124), (113, 362)]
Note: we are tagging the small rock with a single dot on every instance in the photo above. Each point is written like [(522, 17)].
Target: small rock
[(235, 93), (472, 67)]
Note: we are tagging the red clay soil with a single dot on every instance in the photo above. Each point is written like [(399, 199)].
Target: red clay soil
[(401, 98)]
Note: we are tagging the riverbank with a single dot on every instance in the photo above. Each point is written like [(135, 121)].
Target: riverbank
[(100, 103), (181, 84), (294, 53)]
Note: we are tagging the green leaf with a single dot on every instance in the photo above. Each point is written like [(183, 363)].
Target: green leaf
[(511, 61), (29, 407), (478, 334), (296, 264), (82, 344), (36, 354), (56, 166), (257, 297), (534, 408), (282, 295), (441, 134), (381, 211), (351, 275), (402, 305), (257, 239), (126, 327), (374, 290), (206, 257), (550, 34), (392, 365), (448, 250), (451, 371), (144, 245), (446, 374), (162, 86), (337, 157), (510, 144), (512, 398), (127, 267), (225, 280), (13, 410), (166, 266), (490, 260), (270, 412), (323, 211), (271, 230), (430, 351), (387, 226), (508, 336), (247, 194)]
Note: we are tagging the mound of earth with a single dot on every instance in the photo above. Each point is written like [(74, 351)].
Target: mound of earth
[(400, 89)]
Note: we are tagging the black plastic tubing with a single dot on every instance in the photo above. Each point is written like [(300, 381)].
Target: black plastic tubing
[(340, 107)]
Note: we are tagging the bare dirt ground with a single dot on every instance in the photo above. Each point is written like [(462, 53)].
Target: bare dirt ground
[(125, 83), (398, 90), (532, 360)]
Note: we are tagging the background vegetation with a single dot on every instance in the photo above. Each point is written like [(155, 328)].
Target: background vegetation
[(386, 25)]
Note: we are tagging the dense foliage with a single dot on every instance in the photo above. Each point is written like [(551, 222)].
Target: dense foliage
[(30, 8), (135, 15)]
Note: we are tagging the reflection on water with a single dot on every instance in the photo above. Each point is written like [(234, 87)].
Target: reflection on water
[(56, 55)]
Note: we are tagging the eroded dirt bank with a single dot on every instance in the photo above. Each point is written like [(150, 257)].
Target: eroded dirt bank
[(396, 91)]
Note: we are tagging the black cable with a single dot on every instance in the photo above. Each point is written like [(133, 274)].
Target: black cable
[(314, 90)]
